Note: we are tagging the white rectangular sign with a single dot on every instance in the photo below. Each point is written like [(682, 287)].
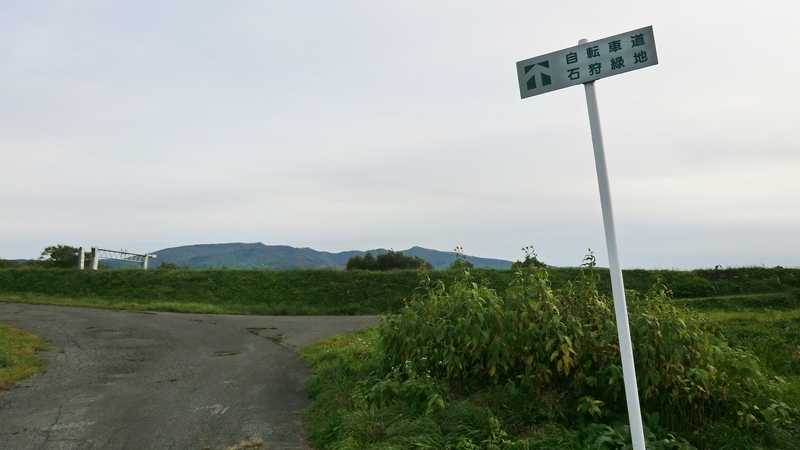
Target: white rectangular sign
[(587, 62)]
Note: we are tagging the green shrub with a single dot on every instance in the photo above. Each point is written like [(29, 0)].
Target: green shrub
[(356, 406), (469, 336)]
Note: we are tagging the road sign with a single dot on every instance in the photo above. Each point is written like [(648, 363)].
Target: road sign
[(583, 64), (587, 62)]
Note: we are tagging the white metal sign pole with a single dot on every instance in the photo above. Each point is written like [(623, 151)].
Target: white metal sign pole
[(583, 64), (617, 286)]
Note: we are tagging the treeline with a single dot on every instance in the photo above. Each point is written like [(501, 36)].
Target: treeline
[(390, 260), (54, 256)]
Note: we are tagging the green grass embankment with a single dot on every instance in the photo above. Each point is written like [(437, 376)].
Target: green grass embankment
[(213, 291), (325, 291)]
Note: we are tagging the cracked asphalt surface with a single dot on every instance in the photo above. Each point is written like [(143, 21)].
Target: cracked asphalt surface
[(142, 380)]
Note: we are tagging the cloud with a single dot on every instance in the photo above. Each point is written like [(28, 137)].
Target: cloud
[(385, 124)]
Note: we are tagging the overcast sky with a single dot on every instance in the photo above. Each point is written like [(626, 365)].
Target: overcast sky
[(359, 124)]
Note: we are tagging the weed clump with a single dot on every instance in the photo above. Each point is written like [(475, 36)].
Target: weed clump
[(544, 343)]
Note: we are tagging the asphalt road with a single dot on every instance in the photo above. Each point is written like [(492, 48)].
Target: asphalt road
[(132, 380)]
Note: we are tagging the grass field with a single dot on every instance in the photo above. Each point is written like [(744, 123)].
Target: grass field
[(19, 357), (307, 292), (345, 414), (768, 325)]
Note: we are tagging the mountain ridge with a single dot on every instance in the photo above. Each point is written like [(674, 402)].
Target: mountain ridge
[(259, 255)]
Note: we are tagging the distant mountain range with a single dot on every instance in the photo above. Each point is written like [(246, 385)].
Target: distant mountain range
[(259, 255)]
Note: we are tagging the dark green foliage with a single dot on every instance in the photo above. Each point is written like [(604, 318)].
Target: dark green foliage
[(63, 256), (366, 262), (390, 260)]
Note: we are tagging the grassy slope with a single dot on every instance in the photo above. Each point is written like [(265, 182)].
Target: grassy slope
[(18, 355), (321, 291), (213, 291), (768, 325)]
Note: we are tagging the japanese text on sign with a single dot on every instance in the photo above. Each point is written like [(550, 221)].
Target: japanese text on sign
[(587, 62)]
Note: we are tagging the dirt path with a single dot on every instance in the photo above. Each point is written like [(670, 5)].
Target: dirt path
[(128, 380)]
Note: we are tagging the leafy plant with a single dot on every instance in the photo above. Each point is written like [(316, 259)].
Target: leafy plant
[(590, 406), (469, 336)]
